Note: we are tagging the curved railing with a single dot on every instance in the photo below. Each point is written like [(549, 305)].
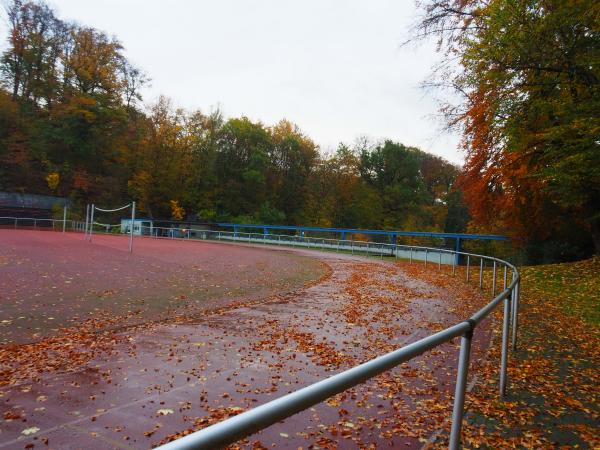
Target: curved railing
[(256, 419)]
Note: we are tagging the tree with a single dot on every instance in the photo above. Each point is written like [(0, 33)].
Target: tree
[(293, 157), (30, 63), (203, 134), (241, 167), (529, 78), (164, 161), (394, 170)]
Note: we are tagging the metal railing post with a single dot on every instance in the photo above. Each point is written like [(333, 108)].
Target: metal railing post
[(85, 225), (481, 274), (504, 285), (426, 252), (92, 223), (455, 257), (34, 223), (132, 221), (494, 280), (460, 390), (515, 314), (64, 219), (411, 258), (504, 356), (440, 261), (468, 266)]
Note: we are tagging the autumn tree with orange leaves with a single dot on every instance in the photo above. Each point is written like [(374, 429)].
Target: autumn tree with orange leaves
[(528, 73)]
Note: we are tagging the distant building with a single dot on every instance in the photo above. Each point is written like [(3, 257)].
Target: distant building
[(141, 227)]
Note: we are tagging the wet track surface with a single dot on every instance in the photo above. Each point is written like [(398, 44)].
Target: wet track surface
[(148, 383), (53, 280)]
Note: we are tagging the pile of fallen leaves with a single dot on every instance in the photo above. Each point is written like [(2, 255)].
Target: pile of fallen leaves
[(553, 397), (68, 351)]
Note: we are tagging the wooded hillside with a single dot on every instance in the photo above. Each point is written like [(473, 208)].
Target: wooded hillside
[(73, 124)]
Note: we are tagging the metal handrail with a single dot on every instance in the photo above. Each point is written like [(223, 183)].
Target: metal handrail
[(256, 419)]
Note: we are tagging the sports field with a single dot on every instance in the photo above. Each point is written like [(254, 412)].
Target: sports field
[(103, 349), (53, 280)]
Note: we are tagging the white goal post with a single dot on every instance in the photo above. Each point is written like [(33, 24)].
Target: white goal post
[(89, 220)]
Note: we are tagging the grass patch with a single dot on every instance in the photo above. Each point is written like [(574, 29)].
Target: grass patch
[(574, 287), (553, 376)]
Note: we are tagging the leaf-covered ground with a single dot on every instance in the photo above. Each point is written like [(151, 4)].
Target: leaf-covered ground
[(138, 386), (553, 396), (104, 385)]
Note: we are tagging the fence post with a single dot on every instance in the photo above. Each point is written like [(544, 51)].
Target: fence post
[(460, 390), (515, 313), (131, 230), (440, 261), (494, 280), (481, 274), (34, 223), (504, 287), (87, 219), (468, 265), (456, 256), (65, 218), (411, 250), (92, 222), (504, 356), (426, 253), (16, 222)]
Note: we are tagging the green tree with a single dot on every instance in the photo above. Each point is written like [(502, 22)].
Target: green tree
[(241, 167), (293, 157), (394, 170)]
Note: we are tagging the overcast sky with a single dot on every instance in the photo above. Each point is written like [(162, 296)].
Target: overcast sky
[(335, 68)]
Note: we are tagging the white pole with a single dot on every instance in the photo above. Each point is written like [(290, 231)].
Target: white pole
[(91, 222), (131, 229), (87, 217), (65, 218)]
